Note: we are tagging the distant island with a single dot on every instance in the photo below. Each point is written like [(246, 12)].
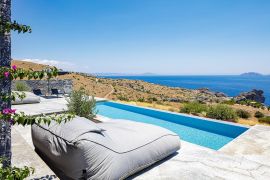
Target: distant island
[(148, 74), (122, 74), (251, 74)]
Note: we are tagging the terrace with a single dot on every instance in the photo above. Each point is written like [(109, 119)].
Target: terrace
[(125, 141), (247, 156)]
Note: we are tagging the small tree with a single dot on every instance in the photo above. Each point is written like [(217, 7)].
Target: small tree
[(258, 114), (243, 114), (194, 108), (222, 112), (21, 86), (81, 104)]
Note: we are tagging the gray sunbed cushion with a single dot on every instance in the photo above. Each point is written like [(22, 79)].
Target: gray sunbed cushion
[(30, 98), (119, 150), (73, 129), (127, 135)]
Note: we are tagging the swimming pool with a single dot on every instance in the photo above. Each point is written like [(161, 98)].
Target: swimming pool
[(203, 132)]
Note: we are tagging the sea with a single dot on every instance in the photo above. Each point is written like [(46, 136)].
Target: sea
[(230, 85)]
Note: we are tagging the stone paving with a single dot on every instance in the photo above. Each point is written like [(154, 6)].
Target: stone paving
[(196, 162), (253, 145), (23, 154), (246, 157), (45, 106)]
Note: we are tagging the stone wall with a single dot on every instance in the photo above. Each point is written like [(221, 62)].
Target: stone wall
[(65, 85)]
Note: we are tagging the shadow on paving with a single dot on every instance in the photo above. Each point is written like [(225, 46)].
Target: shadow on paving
[(152, 166)]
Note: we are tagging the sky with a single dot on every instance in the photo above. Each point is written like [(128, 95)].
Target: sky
[(180, 37)]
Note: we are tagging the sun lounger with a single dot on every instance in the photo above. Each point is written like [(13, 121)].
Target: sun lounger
[(82, 149), (29, 99), (56, 92), (37, 92)]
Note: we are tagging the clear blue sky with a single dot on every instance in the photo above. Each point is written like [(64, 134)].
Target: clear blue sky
[(138, 36)]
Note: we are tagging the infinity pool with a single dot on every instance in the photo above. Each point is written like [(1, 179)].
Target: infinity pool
[(207, 133)]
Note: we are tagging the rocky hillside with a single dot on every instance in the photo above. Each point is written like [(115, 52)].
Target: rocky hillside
[(148, 94), (28, 65), (131, 90), (134, 90)]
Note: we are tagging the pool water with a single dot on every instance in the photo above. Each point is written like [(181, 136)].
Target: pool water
[(207, 133)]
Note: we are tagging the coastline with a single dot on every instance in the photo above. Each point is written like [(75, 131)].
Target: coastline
[(231, 85)]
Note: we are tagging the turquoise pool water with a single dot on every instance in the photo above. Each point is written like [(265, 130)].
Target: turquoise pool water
[(203, 132)]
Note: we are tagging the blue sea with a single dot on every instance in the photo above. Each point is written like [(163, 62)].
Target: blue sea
[(230, 85)]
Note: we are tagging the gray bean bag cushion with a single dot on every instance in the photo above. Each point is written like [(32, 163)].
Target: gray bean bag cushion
[(30, 98), (111, 150)]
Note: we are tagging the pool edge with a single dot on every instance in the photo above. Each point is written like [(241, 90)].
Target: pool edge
[(182, 114)]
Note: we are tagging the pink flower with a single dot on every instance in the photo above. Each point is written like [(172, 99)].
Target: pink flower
[(8, 111), (6, 74), (12, 111), (14, 67), (5, 111)]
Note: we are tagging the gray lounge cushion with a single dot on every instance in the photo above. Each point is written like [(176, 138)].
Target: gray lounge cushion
[(111, 150), (30, 98)]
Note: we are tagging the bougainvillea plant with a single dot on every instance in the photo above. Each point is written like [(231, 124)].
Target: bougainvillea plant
[(19, 73), (14, 73), (6, 27), (10, 115), (21, 118), (15, 173)]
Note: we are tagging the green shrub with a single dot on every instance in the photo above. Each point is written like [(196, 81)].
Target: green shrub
[(229, 102), (252, 103), (14, 173), (152, 99), (122, 98), (258, 114), (222, 112), (194, 108), (265, 119), (21, 86), (141, 99), (268, 108), (243, 114), (81, 104)]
